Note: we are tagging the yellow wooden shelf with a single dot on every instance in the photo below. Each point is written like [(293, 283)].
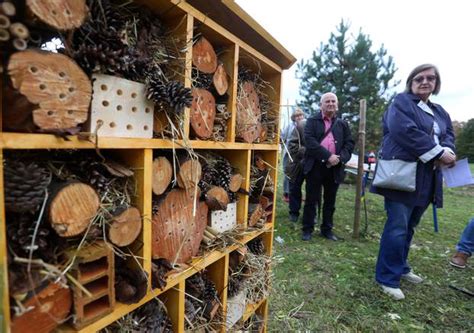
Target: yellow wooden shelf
[(250, 309), (50, 141)]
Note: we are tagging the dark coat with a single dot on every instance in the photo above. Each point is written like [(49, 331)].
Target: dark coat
[(407, 131), (296, 150), (316, 155)]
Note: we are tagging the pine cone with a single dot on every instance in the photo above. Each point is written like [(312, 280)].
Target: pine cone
[(256, 246), (179, 97), (25, 185), (152, 317), (201, 80)]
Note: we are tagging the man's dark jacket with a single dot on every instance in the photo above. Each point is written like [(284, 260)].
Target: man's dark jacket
[(316, 155)]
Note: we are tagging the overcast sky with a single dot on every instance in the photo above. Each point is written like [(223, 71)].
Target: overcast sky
[(413, 32)]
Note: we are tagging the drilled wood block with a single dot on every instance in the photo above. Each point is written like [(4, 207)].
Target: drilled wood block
[(224, 220), (94, 269), (120, 108)]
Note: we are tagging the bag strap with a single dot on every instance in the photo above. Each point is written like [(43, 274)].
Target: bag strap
[(328, 130)]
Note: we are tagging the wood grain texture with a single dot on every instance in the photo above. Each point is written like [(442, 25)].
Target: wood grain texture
[(162, 174), (54, 82), (72, 208), (220, 80), (204, 56), (125, 227), (176, 232), (203, 112), (60, 14), (248, 125)]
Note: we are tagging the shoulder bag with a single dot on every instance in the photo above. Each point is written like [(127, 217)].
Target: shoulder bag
[(395, 175)]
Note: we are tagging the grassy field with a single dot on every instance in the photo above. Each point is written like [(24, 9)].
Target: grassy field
[(329, 286)]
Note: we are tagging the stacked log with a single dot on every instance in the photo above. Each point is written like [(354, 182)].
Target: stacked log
[(206, 121)]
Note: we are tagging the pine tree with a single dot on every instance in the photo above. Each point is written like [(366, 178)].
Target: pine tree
[(465, 141), (348, 67)]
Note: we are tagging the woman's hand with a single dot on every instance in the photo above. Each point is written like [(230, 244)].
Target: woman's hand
[(448, 158)]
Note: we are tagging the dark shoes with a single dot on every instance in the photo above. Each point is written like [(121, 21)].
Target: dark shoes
[(293, 218), (459, 260), (330, 236), (306, 236)]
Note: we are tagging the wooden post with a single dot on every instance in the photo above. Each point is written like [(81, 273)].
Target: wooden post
[(360, 168)]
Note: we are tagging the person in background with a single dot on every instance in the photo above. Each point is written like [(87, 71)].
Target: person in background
[(294, 169), (414, 130), (297, 115), (329, 146), (465, 247)]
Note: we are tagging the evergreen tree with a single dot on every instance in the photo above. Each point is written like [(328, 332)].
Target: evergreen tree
[(465, 141), (352, 71)]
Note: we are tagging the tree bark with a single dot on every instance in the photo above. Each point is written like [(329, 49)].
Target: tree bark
[(125, 227), (162, 175), (72, 207)]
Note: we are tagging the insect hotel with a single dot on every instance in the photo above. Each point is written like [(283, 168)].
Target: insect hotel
[(139, 142)]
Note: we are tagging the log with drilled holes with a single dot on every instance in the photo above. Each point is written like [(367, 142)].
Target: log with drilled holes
[(60, 14), (72, 207), (162, 174), (125, 227), (176, 232), (54, 82), (204, 56), (248, 125), (203, 112)]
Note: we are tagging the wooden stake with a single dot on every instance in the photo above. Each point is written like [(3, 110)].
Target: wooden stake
[(360, 169)]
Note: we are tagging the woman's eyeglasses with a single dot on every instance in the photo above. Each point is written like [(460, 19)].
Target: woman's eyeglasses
[(421, 79)]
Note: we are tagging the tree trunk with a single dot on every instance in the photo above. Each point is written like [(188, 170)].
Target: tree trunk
[(50, 307), (72, 207), (125, 227), (189, 174), (54, 82), (60, 14), (176, 232), (204, 56), (217, 198), (220, 80), (162, 175), (203, 112)]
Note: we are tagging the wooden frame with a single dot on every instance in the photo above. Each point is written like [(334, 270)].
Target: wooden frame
[(138, 154)]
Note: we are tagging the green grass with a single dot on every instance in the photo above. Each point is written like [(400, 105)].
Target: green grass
[(329, 286)]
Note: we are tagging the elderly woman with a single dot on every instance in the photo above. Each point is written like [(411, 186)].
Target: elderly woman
[(415, 130)]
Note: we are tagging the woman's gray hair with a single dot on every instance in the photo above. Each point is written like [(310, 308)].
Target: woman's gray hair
[(419, 69)]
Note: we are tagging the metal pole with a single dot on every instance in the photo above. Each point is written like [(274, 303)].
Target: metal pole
[(360, 169)]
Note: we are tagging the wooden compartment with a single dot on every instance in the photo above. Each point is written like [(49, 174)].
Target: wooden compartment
[(242, 42)]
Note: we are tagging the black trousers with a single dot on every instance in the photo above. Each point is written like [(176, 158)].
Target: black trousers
[(320, 179)]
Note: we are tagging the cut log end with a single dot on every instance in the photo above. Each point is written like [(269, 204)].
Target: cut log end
[(235, 182), (217, 198), (72, 208), (204, 56), (203, 113), (256, 214), (189, 174), (162, 175), (220, 80), (125, 227), (60, 14)]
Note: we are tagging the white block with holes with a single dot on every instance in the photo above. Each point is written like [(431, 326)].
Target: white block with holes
[(222, 221), (120, 108), (236, 308)]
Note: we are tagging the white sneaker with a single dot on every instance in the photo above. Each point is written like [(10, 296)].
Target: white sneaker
[(395, 293), (412, 277)]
